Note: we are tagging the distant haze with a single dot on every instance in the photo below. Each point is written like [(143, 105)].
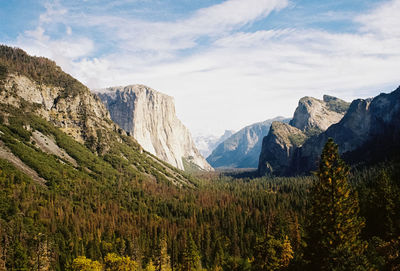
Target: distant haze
[(227, 63)]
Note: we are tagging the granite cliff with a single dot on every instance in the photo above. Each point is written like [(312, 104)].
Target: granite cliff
[(312, 116), (369, 132), (53, 128), (242, 149), (149, 116)]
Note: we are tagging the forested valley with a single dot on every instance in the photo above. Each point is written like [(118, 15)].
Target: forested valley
[(122, 209), (222, 223)]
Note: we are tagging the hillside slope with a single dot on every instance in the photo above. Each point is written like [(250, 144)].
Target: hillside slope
[(37, 98)]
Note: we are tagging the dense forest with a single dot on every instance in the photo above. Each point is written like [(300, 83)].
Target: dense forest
[(120, 211), (222, 223)]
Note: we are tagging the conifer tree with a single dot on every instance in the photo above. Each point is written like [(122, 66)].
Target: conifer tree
[(334, 224), (191, 256), (266, 256), (383, 207), (217, 255)]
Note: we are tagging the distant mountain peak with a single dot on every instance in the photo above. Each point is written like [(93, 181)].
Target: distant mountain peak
[(242, 149)]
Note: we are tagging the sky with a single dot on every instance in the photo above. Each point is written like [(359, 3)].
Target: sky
[(227, 63)]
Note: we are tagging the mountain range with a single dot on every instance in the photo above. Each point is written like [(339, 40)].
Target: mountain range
[(92, 181), (242, 149), (367, 130)]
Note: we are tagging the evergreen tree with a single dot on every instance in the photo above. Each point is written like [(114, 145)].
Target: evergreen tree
[(3, 72), (217, 255), (383, 207), (267, 254), (191, 256), (334, 224)]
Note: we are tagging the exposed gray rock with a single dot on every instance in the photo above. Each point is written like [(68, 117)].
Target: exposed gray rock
[(370, 129), (312, 116), (242, 149), (149, 116), (49, 145), (278, 147), (79, 114)]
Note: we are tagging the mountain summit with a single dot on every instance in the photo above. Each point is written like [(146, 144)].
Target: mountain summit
[(311, 117)]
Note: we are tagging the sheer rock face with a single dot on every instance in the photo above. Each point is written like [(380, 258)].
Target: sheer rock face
[(242, 149), (312, 116), (278, 147), (149, 116), (79, 114), (370, 130)]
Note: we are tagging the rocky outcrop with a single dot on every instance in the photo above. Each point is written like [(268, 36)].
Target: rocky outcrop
[(206, 144), (312, 116), (242, 149), (79, 114), (278, 148), (370, 131), (149, 116)]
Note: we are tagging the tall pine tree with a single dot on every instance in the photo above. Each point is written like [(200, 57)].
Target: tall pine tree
[(334, 222), (191, 256)]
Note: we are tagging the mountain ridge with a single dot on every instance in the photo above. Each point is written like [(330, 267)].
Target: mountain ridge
[(311, 117), (38, 97), (369, 131)]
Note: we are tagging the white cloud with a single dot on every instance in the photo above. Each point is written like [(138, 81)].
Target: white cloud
[(383, 21), (232, 13), (68, 30), (64, 51), (240, 77)]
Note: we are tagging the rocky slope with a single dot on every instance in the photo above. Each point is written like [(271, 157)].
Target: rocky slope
[(53, 123), (206, 144), (242, 149), (79, 114), (312, 116), (370, 131), (149, 116)]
